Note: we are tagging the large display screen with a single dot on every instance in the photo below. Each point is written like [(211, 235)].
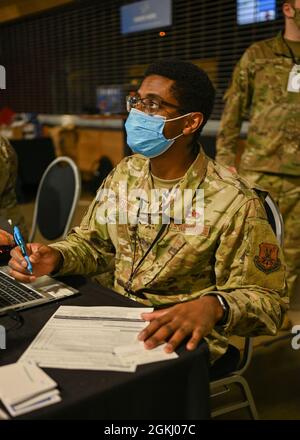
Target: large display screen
[(145, 15), (254, 11)]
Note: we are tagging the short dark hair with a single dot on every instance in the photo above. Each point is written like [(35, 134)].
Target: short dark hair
[(193, 89)]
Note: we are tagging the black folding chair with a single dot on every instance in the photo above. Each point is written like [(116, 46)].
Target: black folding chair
[(56, 200)]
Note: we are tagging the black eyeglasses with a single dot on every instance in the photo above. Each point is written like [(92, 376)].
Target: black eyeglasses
[(147, 105)]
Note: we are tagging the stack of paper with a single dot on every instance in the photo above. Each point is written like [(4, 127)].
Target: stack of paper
[(25, 387), (93, 338), (136, 354)]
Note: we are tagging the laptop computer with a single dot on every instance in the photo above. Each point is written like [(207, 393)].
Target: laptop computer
[(17, 296)]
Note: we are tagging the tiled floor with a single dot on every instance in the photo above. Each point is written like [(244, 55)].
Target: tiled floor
[(274, 371)]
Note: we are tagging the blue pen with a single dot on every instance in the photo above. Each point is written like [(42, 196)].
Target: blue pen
[(21, 243)]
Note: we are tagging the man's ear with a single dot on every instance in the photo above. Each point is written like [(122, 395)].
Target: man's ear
[(288, 10), (193, 122)]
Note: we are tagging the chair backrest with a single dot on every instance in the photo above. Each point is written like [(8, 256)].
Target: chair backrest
[(56, 200), (275, 218)]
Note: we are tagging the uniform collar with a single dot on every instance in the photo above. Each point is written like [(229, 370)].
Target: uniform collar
[(279, 47), (196, 171), (191, 180)]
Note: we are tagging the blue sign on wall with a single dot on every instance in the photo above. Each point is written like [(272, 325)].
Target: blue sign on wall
[(144, 15), (254, 11), (111, 99)]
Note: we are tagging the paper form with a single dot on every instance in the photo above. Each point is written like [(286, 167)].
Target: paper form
[(25, 387), (85, 337), (137, 354)]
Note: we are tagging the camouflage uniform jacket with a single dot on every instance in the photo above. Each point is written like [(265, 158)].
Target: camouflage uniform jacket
[(259, 90), (8, 177), (229, 256)]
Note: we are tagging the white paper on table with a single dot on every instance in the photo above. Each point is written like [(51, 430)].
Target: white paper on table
[(137, 354), (84, 338), (20, 382), (38, 402), (3, 415)]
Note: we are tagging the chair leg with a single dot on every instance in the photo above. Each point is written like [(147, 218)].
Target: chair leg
[(247, 392), (248, 402)]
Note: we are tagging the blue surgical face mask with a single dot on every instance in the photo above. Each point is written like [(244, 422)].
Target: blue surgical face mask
[(145, 133)]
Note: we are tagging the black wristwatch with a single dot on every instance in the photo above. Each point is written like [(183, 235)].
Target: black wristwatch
[(225, 307)]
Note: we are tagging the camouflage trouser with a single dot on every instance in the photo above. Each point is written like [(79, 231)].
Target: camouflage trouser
[(286, 192)]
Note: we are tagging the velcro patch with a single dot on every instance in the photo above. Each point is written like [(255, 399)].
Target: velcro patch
[(267, 261)]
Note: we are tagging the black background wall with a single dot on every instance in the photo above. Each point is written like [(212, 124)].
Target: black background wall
[(55, 60)]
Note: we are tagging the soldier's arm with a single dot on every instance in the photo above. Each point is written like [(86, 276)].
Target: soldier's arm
[(250, 273), (250, 277), (237, 102), (88, 248)]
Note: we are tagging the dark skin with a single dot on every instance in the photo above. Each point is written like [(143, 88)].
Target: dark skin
[(6, 239), (176, 160), (194, 319)]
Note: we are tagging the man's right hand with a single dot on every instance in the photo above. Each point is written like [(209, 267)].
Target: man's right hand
[(44, 260)]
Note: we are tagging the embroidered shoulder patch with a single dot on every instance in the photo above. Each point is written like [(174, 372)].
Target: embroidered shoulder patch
[(267, 261)]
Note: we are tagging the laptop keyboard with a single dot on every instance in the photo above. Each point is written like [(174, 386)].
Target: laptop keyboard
[(12, 292)]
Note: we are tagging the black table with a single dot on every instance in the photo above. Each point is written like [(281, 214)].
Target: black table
[(174, 389)]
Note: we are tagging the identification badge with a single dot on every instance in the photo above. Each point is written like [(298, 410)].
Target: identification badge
[(294, 80)]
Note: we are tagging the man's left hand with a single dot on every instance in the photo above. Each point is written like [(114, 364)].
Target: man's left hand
[(195, 318)]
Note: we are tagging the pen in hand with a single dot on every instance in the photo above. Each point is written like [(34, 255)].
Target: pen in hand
[(21, 243)]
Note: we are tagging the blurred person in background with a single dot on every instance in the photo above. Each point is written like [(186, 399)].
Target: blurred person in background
[(8, 177), (265, 88)]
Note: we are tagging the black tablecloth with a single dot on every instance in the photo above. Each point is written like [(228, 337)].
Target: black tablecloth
[(175, 389)]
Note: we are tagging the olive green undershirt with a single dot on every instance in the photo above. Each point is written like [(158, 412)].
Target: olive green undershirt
[(164, 184), (295, 47)]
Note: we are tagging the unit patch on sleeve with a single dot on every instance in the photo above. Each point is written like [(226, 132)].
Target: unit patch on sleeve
[(267, 261)]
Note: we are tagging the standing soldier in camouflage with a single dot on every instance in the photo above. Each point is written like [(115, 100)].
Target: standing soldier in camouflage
[(8, 178), (210, 276), (266, 88)]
